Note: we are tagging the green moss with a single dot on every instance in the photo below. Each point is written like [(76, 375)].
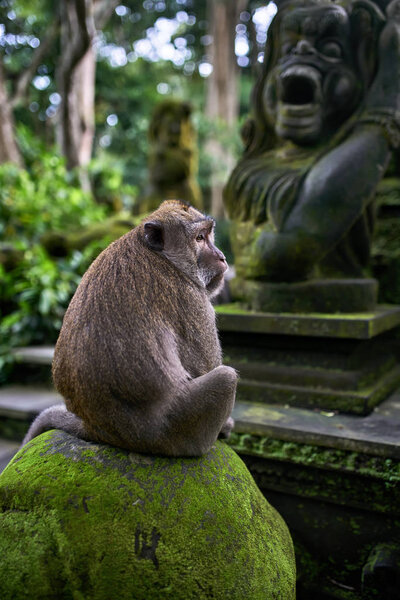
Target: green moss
[(378, 467), (312, 471), (234, 317), (81, 520), (233, 308)]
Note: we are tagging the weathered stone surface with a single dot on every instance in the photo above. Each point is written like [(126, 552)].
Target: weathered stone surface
[(20, 404), (358, 326), (81, 520), (385, 247), (376, 434), (319, 140), (26, 401), (315, 296), (340, 362)]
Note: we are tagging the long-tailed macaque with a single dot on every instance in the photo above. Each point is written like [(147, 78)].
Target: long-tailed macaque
[(138, 359)]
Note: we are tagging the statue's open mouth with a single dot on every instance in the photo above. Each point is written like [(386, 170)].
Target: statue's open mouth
[(299, 92)]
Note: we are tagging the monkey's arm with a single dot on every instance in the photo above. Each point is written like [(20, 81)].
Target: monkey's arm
[(200, 412)]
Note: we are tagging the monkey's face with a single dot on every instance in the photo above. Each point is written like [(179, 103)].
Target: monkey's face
[(186, 238), (313, 88), (211, 261)]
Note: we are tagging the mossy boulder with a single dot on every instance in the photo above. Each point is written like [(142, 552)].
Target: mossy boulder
[(87, 521)]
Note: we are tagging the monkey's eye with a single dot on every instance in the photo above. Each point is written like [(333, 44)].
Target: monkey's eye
[(200, 237)]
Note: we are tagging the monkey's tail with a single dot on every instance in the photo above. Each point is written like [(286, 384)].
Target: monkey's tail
[(56, 417)]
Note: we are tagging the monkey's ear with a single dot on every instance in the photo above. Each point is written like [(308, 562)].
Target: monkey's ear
[(154, 235)]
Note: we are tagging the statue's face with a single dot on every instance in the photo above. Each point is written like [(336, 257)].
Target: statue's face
[(171, 156), (313, 88)]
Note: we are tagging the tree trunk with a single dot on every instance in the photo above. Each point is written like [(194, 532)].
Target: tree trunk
[(76, 79), (222, 91), (83, 89), (9, 151), (76, 36)]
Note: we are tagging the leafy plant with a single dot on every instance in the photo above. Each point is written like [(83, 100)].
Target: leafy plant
[(35, 289), (46, 198)]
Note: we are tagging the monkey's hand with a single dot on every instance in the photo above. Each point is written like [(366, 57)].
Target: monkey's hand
[(385, 90), (227, 429)]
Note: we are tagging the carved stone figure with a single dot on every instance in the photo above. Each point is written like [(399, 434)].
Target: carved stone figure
[(326, 119), (172, 157)]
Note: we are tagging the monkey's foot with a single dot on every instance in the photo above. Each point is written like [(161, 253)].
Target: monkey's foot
[(226, 429)]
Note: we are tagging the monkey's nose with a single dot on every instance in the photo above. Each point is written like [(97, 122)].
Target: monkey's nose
[(221, 255)]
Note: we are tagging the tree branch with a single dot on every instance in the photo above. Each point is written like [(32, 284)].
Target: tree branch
[(26, 76), (103, 10), (80, 13)]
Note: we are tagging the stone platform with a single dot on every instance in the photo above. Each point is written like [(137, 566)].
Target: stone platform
[(336, 481), (342, 362), (317, 421), (315, 295)]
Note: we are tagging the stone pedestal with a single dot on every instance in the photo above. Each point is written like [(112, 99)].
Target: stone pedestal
[(346, 362), (316, 295), (334, 477)]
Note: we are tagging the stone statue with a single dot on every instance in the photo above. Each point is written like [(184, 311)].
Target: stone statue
[(325, 122), (172, 157)]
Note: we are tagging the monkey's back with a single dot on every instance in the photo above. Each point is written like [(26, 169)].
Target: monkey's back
[(135, 326)]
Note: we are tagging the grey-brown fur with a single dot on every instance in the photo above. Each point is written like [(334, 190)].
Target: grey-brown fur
[(138, 358)]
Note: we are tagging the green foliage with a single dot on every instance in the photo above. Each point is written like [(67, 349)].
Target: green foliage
[(34, 288), (230, 142), (44, 199), (108, 187)]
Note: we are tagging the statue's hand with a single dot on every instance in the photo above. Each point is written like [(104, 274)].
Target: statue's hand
[(385, 90)]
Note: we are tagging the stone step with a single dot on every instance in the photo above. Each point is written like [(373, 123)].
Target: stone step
[(19, 405), (32, 365), (376, 434), (321, 395), (36, 355), (362, 326)]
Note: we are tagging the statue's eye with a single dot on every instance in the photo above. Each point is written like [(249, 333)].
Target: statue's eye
[(200, 237), (331, 50)]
